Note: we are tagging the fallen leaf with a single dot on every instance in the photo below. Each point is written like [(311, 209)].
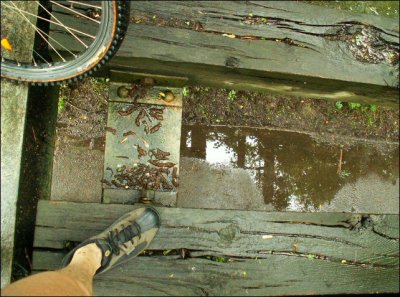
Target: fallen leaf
[(229, 35), (6, 45), (124, 140)]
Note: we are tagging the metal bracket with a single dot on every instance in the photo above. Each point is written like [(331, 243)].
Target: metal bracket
[(142, 144)]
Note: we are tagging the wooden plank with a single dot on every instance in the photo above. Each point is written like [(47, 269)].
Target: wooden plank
[(262, 253), (275, 275), (310, 49), (14, 110), (277, 46), (333, 236)]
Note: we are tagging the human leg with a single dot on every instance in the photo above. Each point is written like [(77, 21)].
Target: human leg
[(123, 240), (73, 280)]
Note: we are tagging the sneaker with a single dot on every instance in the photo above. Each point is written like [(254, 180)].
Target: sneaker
[(123, 240)]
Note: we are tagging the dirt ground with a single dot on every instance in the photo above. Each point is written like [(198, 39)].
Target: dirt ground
[(83, 113), (207, 106), (82, 109)]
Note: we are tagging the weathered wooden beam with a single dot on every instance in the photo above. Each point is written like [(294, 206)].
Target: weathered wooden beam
[(283, 47), (310, 63), (14, 101), (328, 244), (274, 275)]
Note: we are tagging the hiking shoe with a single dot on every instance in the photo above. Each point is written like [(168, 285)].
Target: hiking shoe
[(123, 240)]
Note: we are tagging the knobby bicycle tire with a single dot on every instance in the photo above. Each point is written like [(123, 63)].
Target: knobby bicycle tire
[(110, 35)]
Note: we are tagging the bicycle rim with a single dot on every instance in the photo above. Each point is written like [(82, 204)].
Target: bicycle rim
[(104, 44)]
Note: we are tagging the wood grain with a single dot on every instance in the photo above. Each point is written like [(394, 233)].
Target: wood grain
[(277, 46), (305, 245)]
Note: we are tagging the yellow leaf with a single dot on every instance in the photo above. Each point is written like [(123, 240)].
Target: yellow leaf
[(5, 44), (166, 252), (229, 35)]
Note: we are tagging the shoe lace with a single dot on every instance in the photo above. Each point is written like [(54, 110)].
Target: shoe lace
[(117, 238)]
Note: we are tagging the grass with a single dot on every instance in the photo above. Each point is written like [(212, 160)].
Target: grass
[(382, 8), (185, 91), (344, 174), (95, 85), (369, 111), (339, 105), (232, 95), (62, 98)]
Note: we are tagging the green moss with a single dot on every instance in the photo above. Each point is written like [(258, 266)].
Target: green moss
[(61, 104), (383, 8)]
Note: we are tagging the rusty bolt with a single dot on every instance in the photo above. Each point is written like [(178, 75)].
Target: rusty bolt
[(167, 96), (147, 196), (123, 92), (147, 81), (145, 200)]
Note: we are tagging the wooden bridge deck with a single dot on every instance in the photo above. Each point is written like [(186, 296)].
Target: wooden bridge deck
[(292, 49), (283, 47), (229, 252)]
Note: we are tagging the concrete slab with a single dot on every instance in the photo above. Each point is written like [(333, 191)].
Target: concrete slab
[(80, 138), (204, 185), (77, 172)]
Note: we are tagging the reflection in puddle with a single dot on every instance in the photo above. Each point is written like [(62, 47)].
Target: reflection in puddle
[(293, 171), (217, 153)]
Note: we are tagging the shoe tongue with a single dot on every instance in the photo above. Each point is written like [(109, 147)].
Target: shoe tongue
[(126, 234)]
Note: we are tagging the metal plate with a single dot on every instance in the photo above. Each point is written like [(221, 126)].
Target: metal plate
[(152, 95), (142, 147)]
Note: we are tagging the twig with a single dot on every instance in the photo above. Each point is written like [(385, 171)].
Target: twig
[(34, 135), (29, 260), (339, 170), (73, 105)]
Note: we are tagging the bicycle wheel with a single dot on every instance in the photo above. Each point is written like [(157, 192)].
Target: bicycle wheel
[(73, 39)]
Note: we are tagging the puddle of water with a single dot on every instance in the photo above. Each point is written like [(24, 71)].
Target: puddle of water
[(295, 172)]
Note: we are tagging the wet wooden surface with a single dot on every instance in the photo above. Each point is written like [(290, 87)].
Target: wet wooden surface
[(235, 252), (275, 46)]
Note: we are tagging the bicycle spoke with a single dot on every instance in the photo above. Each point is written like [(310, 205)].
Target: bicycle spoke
[(85, 4), (33, 59), (77, 38), (40, 56), (74, 11), (50, 21), (41, 31), (37, 30), (64, 40), (75, 56)]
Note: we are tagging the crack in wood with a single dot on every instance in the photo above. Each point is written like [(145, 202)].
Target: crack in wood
[(184, 44), (346, 224), (312, 256), (304, 236), (204, 291), (385, 236), (269, 7), (226, 258), (199, 27), (285, 40), (368, 52)]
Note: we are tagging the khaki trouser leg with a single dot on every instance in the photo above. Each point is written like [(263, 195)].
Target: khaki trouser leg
[(74, 280)]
